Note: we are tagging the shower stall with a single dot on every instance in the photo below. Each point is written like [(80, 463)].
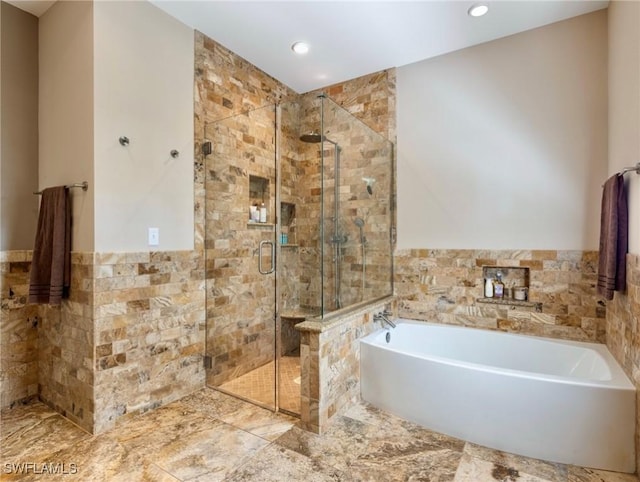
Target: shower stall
[(323, 182)]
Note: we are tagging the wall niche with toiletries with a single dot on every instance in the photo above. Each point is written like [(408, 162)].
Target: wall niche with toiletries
[(505, 284), (259, 201), (288, 224)]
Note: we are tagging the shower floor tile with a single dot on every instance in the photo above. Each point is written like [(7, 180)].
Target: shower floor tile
[(258, 384)]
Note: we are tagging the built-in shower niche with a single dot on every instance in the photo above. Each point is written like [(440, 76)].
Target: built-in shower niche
[(259, 194), (288, 224), (514, 278)]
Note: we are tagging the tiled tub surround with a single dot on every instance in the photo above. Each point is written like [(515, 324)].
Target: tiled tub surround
[(443, 286), (623, 332), (330, 363), (130, 337)]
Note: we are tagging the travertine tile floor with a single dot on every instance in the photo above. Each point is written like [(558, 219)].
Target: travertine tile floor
[(258, 384), (209, 436)]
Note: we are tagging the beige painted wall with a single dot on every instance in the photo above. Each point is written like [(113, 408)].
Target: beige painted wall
[(143, 90), (624, 104), (19, 128), (504, 145), (66, 109)]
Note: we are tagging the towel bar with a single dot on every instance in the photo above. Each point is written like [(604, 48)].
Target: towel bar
[(84, 185), (636, 168)]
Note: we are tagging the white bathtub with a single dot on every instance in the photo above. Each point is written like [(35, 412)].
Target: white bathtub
[(555, 400)]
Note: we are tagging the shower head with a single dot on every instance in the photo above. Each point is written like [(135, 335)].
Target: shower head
[(369, 181), (360, 223), (312, 137)]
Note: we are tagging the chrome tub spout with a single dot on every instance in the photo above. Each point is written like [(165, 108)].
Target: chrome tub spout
[(383, 316)]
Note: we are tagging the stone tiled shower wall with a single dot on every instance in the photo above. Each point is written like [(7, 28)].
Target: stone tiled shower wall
[(443, 285), (363, 154), (240, 301), (623, 332)]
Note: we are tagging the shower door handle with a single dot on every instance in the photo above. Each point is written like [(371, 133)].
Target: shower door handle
[(273, 258)]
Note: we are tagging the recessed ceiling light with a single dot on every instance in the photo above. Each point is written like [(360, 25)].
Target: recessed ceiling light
[(478, 10), (300, 48)]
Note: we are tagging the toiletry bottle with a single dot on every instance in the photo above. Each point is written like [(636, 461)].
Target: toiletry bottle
[(255, 214), (263, 213), (498, 286), (488, 288)]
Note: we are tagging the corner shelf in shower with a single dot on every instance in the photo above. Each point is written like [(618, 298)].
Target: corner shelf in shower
[(289, 245)]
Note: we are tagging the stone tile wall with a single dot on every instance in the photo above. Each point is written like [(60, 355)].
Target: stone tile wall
[(130, 337), (363, 154), (18, 331), (240, 302), (442, 286), (623, 332), (149, 318), (330, 363), (370, 98), (66, 348)]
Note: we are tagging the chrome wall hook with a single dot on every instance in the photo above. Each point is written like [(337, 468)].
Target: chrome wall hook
[(124, 141)]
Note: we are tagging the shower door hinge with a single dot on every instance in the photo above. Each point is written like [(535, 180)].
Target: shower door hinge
[(207, 361)]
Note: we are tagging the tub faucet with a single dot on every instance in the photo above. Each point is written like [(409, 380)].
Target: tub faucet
[(383, 316)]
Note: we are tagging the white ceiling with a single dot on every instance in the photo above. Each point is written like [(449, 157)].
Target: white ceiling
[(34, 7), (352, 38)]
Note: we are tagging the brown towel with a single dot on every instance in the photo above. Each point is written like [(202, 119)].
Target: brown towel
[(614, 233), (51, 265)]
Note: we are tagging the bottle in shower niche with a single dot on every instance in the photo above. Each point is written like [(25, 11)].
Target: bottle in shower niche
[(263, 213), (498, 286), (488, 288)]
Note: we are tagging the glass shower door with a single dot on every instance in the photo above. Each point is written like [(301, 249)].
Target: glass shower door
[(241, 329)]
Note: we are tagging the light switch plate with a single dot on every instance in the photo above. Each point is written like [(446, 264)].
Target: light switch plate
[(154, 236)]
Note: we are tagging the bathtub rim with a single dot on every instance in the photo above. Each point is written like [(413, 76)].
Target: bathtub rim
[(619, 379)]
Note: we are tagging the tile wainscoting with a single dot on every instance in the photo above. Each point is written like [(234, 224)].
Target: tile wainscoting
[(623, 332), (18, 331), (130, 338)]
